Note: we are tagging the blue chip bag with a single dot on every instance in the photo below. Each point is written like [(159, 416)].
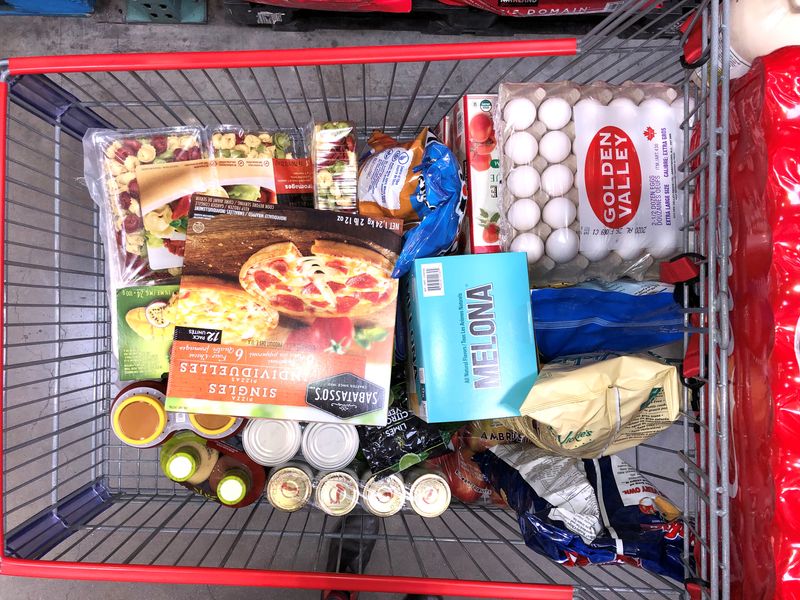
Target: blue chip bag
[(580, 512), (622, 316), (419, 182)]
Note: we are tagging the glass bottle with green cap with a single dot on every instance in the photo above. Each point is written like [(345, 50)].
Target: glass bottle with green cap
[(230, 480), (187, 459)]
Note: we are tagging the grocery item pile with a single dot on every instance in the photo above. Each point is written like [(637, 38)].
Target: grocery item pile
[(393, 331)]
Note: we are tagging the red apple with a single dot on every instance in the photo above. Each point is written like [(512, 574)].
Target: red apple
[(480, 127), (480, 162)]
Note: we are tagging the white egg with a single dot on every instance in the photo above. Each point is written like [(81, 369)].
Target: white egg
[(555, 113), (531, 244), (562, 245), (555, 146), (523, 182), (677, 110), (521, 148), (624, 107), (654, 106), (559, 212), (519, 113), (557, 180), (665, 246), (524, 214), (630, 247), (588, 108), (595, 248)]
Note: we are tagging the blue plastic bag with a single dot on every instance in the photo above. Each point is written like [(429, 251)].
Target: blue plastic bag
[(622, 316), (628, 525)]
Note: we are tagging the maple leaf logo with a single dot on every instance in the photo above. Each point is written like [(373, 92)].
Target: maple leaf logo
[(649, 133)]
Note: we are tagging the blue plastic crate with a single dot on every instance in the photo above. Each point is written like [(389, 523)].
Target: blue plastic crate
[(63, 8)]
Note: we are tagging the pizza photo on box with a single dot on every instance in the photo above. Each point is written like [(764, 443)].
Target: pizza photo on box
[(284, 312)]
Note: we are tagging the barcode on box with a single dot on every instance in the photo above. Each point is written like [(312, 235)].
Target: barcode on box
[(432, 280)]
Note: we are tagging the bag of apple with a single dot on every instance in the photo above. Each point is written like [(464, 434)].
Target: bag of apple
[(590, 178)]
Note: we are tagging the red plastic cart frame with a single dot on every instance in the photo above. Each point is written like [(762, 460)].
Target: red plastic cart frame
[(266, 58)]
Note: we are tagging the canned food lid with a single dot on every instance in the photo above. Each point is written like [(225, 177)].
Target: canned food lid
[(330, 446), (212, 424), (181, 466), (384, 497), (231, 489), (289, 488), (337, 493), (271, 442), (139, 419), (430, 495)]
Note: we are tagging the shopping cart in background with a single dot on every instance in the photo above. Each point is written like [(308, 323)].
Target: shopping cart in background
[(78, 504)]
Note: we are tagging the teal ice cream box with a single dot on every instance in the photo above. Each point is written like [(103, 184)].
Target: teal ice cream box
[(471, 348)]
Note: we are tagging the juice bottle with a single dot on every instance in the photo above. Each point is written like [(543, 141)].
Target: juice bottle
[(217, 470), (185, 458)]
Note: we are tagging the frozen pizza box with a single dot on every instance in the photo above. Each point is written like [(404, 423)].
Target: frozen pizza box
[(474, 143), (471, 348), (284, 312)]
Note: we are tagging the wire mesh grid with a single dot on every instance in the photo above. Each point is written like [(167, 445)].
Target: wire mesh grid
[(59, 373)]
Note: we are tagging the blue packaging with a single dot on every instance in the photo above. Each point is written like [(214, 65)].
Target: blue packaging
[(634, 524), (622, 316), (471, 349)]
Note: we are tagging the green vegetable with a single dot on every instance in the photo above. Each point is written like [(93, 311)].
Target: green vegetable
[(282, 141), (279, 153), (225, 153), (236, 154), (244, 192), (367, 336), (180, 224)]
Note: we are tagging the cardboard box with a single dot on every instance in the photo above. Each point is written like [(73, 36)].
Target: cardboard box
[(475, 145), (285, 313), (144, 331), (472, 353)]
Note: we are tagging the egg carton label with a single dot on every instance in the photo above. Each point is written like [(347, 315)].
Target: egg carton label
[(626, 174)]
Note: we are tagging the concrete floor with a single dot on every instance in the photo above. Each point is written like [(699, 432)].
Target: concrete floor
[(106, 33)]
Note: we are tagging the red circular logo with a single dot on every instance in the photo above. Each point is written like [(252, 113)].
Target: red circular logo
[(613, 177)]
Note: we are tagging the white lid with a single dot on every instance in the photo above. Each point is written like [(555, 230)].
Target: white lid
[(330, 446), (430, 495), (181, 467), (271, 442), (232, 490)]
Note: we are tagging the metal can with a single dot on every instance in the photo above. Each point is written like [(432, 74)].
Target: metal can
[(330, 446), (428, 492), (337, 493), (271, 442), (384, 497), (289, 487)]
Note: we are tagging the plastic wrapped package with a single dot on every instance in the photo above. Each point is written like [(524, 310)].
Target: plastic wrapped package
[(419, 182), (580, 512), (113, 161), (261, 166), (765, 220), (596, 405), (406, 440), (333, 154), (621, 316), (589, 178)]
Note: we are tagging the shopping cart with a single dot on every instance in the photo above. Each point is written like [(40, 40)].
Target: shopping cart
[(77, 504)]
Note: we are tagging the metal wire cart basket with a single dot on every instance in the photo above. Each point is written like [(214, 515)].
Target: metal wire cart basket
[(78, 504)]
